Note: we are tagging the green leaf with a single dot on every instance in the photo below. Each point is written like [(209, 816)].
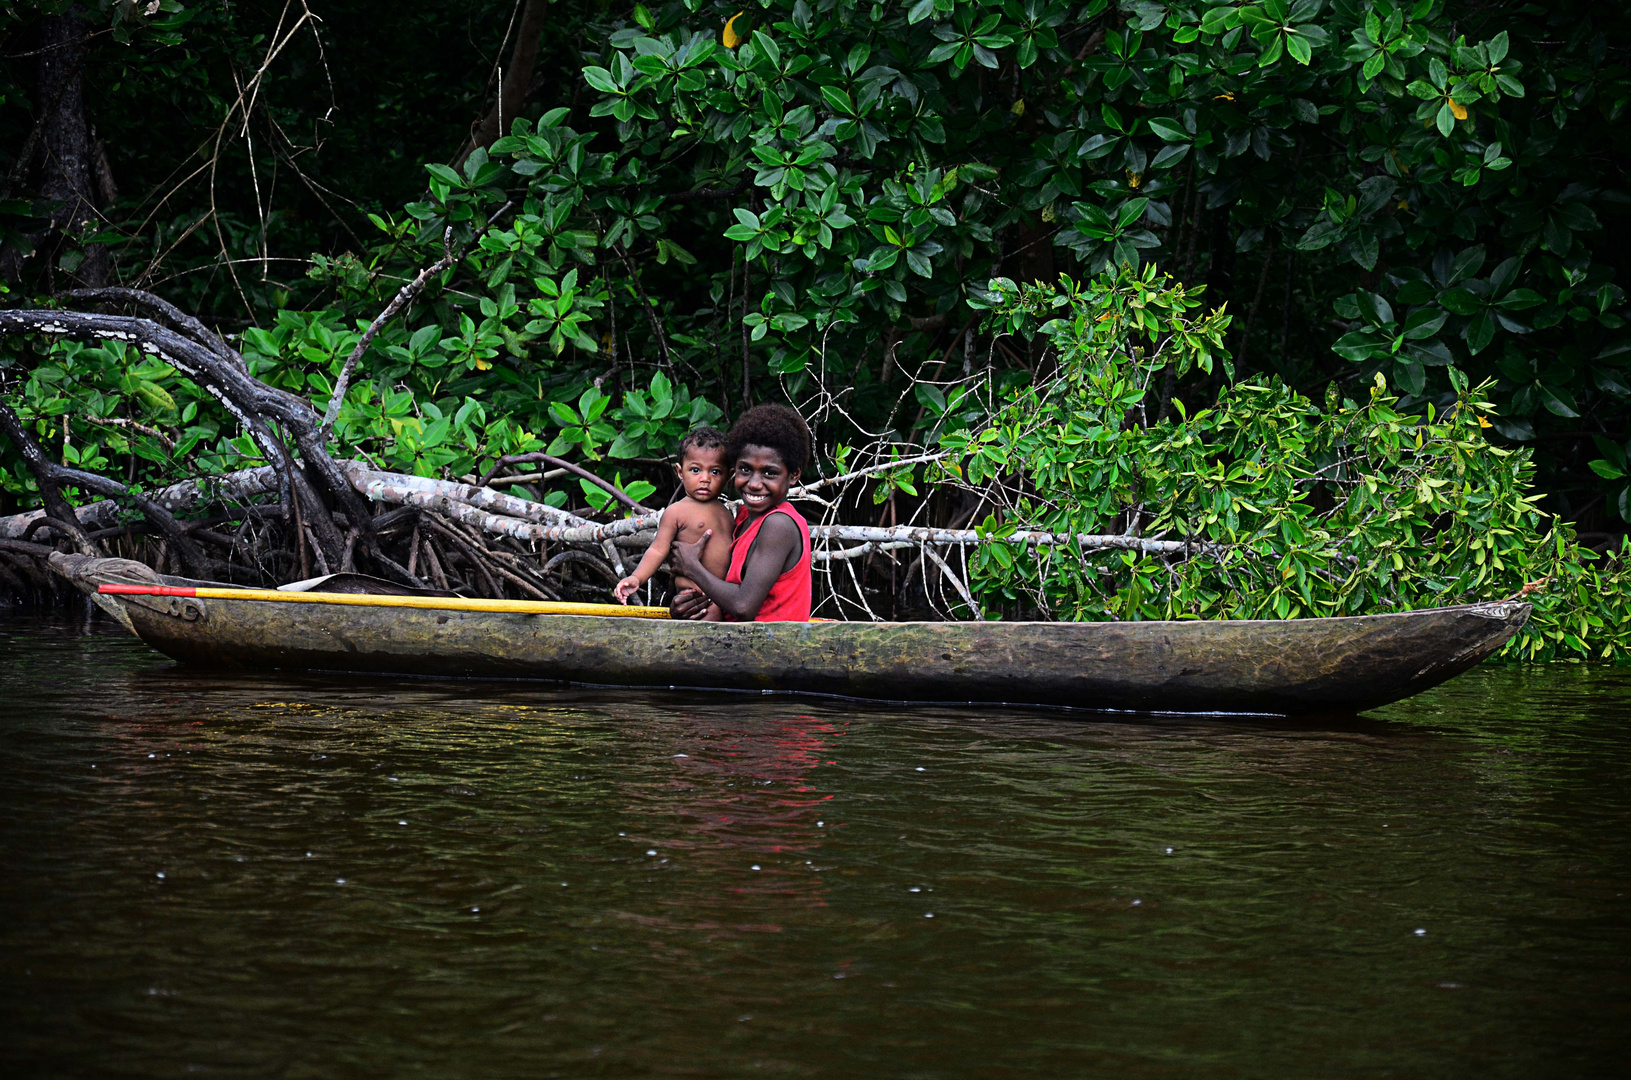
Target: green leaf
[(1170, 130), (1321, 234), (446, 174), (1424, 323), (839, 100), (1445, 120), (1558, 401), (600, 79), (155, 396), (930, 397), (597, 496), (1480, 332)]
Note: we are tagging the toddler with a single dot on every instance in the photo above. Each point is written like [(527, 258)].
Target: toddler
[(702, 471)]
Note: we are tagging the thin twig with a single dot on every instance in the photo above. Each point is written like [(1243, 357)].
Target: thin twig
[(403, 298)]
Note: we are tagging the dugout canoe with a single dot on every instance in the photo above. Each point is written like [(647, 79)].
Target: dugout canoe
[(1289, 667)]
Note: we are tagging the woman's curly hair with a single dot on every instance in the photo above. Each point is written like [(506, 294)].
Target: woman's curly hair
[(773, 426)]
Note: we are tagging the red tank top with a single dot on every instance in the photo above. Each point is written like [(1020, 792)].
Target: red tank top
[(789, 596)]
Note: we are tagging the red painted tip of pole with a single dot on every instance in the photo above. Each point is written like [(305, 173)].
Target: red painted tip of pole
[(148, 590)]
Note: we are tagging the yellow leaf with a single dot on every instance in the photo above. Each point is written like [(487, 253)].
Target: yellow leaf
[(1484, 423), (1457, 110), (730, 37), (1018, 107), (1133, 179)]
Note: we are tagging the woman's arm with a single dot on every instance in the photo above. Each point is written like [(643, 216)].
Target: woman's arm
[(778, 542), (655, 554)]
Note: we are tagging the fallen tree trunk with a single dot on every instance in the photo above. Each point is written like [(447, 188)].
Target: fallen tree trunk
[(506, 515), (180, 499)]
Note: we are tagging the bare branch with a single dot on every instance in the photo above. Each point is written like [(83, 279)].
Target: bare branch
[(169, 315), (402, 299), (577, 470)]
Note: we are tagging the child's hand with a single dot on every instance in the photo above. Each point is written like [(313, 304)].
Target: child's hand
[(626, 588)]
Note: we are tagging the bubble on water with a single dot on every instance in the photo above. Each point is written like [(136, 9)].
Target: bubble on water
[(474, 910), (682, 755), (161, 875), (308, 854), (755, 866), (563, 884), (339, 881), (921, 769), (914, 888), (402, 823), (1420, 932), (819, 824), (152, 755), (1137, 902), (651, 851), (928, 915), (1169, 851)]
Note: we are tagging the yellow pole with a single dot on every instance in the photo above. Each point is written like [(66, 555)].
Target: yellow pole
[(434, 603)]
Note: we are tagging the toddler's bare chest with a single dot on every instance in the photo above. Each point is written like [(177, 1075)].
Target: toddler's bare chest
[(692, 526)]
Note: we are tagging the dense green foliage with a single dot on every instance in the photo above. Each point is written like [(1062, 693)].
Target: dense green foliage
[(1431, 181), (806, 201), (1294, 509)]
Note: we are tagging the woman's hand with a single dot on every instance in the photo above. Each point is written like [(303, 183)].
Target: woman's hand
[(626, 588), (690, 604), (688, 557)]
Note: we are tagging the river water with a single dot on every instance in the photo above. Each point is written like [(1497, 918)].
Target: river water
[(289, 876)]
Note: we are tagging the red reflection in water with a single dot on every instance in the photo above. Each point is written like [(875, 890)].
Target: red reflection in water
[(748, 797)]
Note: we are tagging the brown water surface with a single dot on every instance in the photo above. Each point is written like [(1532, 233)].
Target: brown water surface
[(209, 874)]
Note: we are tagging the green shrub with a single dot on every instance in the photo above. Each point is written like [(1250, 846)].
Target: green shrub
[(1294, 509)]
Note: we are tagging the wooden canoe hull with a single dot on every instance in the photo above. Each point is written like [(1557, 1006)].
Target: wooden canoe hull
[(1298, 666)]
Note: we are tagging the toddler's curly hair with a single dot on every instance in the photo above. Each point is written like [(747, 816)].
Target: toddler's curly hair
[(774, 426), (702, 438)]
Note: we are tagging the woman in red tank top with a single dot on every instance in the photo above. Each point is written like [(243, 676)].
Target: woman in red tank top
[(769, 578)]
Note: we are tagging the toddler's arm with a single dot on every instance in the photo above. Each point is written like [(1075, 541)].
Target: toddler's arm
[(654, 558)]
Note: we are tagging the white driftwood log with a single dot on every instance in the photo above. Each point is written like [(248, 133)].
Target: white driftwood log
[(395, 488), (506, 515), (182, 498)]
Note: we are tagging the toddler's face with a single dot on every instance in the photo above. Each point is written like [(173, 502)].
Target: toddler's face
[(703, 473)]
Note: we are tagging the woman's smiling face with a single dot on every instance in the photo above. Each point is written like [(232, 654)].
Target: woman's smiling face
[(762, 478)]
